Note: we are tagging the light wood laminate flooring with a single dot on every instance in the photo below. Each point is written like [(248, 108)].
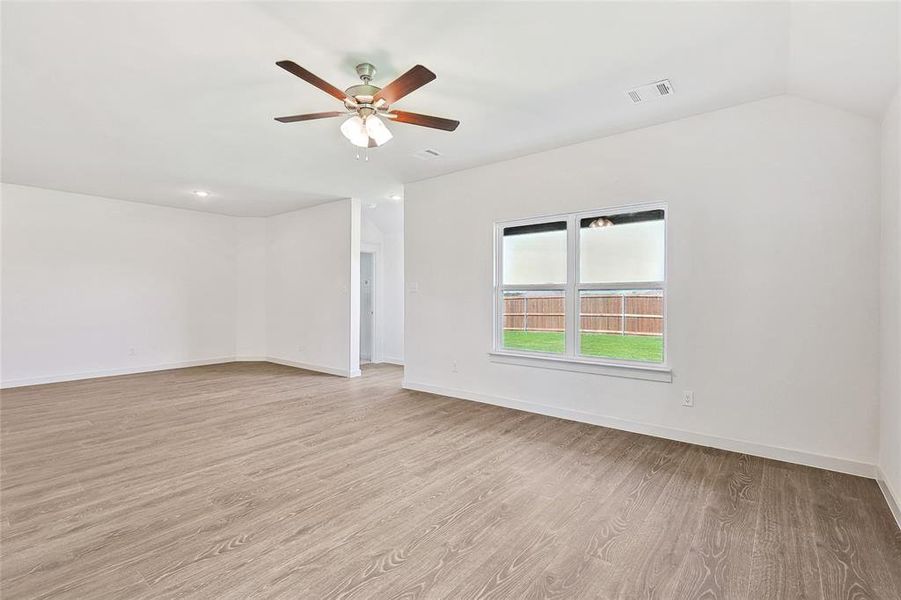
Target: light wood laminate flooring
[(253, 480)]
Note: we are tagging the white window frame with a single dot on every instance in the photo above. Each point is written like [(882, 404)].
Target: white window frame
[(571, 359)]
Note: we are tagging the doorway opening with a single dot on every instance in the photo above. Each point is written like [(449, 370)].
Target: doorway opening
[(367, 307), (377, 290)]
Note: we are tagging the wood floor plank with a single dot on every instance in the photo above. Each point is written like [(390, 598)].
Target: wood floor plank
[(848, 566), (535, 540), (541, 489), (607, 544), (253, 480), (784, 562), (718, 562), (668, 536), (880, 524)]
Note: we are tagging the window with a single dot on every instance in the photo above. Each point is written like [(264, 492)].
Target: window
[(585, 286)]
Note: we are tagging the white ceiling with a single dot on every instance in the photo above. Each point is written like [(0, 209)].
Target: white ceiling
[(149, 101)]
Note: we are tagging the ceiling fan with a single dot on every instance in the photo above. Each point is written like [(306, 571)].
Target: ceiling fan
[(364, 103)]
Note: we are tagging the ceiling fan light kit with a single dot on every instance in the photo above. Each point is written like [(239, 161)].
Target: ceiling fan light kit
[(365, 103), (365, 131)]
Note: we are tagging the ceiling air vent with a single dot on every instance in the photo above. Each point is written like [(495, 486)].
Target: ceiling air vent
[(650, 91), (427, 154)]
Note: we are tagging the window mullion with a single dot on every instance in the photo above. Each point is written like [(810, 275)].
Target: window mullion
[(571, 317), (629, 285), (512, 287)]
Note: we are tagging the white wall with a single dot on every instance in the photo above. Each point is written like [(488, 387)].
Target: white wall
[(352, 272), (773, 234), (97, 286), (393, 298), (308, 287), (250, 326), (890, 325), (369, 231)]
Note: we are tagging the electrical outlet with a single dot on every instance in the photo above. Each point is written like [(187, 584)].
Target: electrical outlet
[(131, 352), (454, 367), (688, 398)]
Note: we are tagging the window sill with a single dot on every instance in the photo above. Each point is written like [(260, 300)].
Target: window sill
[(632, 371)]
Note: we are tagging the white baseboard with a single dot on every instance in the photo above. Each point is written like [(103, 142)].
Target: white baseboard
[(800, 457), (392, 360), (893, 499), (311, 367), (13, 383)]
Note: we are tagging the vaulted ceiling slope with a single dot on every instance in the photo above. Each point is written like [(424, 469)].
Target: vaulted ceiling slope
[(149, 101)]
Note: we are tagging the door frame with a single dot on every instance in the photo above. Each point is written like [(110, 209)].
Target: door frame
[(375, 250)]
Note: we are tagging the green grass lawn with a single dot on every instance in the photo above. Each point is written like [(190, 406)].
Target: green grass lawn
[(627, 347)]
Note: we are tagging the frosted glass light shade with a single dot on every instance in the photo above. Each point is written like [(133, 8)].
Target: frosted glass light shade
[(377, 130), (355, 131)]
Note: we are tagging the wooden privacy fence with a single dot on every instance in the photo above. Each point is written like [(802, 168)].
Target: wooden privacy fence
[(632, 314)]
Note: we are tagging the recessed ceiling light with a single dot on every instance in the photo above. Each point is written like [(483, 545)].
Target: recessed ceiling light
[(201, 193), (371, 205), (395, 197)]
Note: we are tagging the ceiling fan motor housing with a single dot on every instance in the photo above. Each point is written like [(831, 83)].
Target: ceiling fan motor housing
[(366, 71), (363, 92)]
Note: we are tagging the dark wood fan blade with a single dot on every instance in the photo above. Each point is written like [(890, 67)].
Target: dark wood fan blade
[(309, 116), (295, 69), (424, 120), (413, 79)]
